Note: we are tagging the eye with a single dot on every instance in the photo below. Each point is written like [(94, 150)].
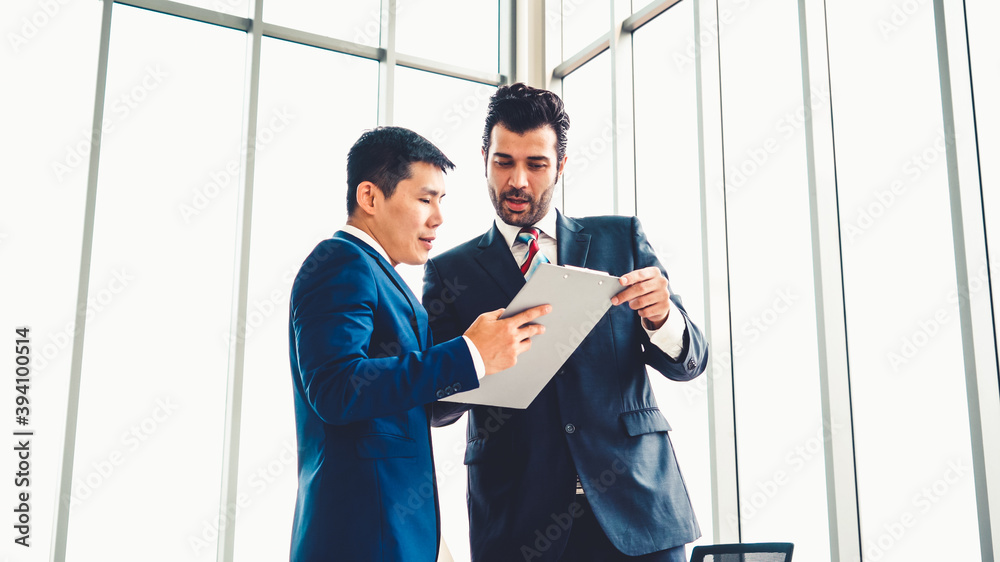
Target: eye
[(427, 201), (535, 166), (502, 163)]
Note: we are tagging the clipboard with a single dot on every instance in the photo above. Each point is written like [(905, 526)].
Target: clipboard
[(580, 298)]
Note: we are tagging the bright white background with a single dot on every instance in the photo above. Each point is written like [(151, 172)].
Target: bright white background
[(148, 460)]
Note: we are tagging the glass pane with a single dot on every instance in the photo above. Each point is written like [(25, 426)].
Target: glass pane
[(422, 31), (359, 21), (49, 59), (153, 389), (307, 123), (913, 455), (583, 22), (779, 428), (587, 180), (670, 208), (451, 115), (984, 47)]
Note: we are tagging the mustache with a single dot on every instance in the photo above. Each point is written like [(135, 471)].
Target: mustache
[(517, 194)]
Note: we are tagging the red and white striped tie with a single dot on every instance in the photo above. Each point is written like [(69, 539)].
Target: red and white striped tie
[(529, 237)]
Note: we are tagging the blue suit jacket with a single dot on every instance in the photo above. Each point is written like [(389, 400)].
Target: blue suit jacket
[(596, 418), (363, 372)]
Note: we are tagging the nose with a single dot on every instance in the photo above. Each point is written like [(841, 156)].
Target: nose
[(436, 217), (519, 177)]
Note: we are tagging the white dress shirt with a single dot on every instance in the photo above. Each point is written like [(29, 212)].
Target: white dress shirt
[(477, 358), (669, 337)]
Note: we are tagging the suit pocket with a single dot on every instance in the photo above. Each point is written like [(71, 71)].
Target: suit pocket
[(646, 420), (475, 451), (381, 446)]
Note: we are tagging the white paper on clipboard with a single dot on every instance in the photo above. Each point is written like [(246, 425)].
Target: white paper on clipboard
[(579, 299)]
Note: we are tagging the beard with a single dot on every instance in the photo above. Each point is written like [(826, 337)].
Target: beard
[(535, 210)]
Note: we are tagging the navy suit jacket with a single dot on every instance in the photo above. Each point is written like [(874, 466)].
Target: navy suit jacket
[(596, 418), (364, 371)]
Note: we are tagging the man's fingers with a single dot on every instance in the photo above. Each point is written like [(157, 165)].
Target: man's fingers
[(638, 275), (642, 302), (531, 330), (633, 291), (492, 315), (530, 314)]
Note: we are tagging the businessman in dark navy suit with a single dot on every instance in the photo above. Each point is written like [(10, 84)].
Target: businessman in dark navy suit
[(364, 368), (587, 472)]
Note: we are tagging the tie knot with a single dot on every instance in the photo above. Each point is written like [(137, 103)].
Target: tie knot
[(528, 234)]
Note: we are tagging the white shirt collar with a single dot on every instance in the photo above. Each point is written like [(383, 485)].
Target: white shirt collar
[(547, 225), (364, 237)]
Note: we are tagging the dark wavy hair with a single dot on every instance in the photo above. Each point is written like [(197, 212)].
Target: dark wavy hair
[(521, 108), (383, 156)]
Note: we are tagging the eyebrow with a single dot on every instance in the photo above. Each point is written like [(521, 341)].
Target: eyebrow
[(431, 191), (536, 158)]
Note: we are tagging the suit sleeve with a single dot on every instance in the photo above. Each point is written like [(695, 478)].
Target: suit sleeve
[(694, 356), (444, 325), (333, 321)]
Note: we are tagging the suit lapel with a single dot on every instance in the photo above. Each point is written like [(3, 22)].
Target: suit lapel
[(494, 256), (572, 242), (418, 319)]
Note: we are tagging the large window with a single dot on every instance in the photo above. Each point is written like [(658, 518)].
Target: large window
[(693, 73), (776, 153)]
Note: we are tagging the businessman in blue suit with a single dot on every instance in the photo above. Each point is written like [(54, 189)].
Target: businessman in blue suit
[(587, 472), (364, 368)]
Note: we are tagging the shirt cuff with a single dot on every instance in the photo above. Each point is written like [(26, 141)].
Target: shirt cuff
[(670, 336), (477, 358)]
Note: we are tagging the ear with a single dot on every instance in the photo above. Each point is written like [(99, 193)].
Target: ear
[(486, 164), (562, 167), (367, 195)]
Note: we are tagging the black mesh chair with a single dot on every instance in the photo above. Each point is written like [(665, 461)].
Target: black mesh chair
[(743, 552)]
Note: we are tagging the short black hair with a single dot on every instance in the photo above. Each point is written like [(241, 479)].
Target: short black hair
[(521, 108), (383, 156)]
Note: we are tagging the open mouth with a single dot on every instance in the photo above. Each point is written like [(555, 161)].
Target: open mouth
[(517, 205), (427, 242)]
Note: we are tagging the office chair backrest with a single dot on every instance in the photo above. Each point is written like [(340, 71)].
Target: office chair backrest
[(744, 552)]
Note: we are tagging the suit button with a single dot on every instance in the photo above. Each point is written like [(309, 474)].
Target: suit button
[(570, 428), (440, 393)]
